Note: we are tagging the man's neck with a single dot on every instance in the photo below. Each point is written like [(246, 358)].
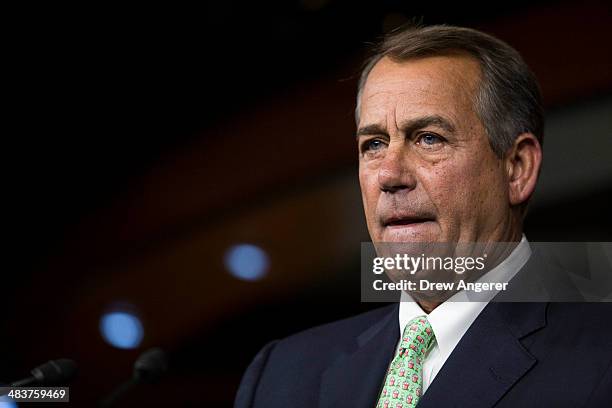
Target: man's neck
[(428, 306)]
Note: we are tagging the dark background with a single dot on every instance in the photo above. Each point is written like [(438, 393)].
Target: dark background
[(143, 142)]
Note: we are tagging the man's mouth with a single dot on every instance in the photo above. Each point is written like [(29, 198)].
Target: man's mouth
[(406, 221)]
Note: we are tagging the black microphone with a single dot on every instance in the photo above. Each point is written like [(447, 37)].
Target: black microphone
[(148, 368), (51, 373), (151, 365)]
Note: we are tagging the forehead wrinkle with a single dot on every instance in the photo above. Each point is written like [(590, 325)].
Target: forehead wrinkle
[(399, 98), (392, 119), (398, 87), (386, 106), (409, 95)]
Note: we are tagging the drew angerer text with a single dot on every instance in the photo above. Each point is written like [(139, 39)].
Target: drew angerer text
[(424, 284)]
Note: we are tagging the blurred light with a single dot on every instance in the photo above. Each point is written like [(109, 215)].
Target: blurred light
[(121, 329), (247, 262), (5, 402)]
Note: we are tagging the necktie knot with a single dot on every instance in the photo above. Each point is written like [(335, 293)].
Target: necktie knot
[(418, 336)]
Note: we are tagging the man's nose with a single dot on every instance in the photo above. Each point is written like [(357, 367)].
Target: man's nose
[(396, 172)]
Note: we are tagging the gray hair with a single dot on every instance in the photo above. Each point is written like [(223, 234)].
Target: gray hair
[(508, 101)]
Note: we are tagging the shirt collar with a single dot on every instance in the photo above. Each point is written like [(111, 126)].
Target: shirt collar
[(451, 319)]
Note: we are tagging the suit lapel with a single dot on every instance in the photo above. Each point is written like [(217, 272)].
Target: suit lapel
[(489, 359), (355, 378)]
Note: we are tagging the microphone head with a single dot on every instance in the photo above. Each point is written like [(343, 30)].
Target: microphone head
[(55, 372), (151, 365)]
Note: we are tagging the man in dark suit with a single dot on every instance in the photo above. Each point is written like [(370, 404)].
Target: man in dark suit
[(449, 133)]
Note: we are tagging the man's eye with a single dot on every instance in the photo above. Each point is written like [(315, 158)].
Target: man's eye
[(373, 144), (429, 139)]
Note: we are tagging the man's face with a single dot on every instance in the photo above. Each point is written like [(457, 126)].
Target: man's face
[(426, 168)]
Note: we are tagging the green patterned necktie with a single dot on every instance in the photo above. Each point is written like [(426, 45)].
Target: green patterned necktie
[(404, 381)]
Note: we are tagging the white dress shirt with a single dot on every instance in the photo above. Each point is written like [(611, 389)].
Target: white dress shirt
[(451, 319)]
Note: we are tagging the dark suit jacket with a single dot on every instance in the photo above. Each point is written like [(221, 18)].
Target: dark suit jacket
[(513, 355)]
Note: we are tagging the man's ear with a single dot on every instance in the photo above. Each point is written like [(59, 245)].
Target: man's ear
[(523, 163)]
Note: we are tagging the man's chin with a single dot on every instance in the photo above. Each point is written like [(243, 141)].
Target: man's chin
[(427, 231)]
